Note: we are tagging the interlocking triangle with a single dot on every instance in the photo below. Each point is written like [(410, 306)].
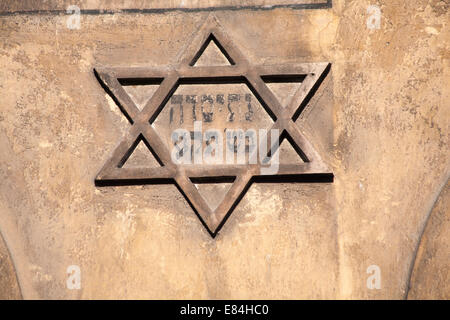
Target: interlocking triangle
[(169, 77), (211, 54)]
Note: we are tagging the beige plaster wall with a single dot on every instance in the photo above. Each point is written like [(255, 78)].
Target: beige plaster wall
[(380, 120)]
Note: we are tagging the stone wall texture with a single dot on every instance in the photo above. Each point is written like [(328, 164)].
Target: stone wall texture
[(380, 120)]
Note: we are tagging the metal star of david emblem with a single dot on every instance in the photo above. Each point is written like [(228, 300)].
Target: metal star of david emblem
[(183, 175)]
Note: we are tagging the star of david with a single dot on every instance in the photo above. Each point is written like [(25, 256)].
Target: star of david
[(182, 175)]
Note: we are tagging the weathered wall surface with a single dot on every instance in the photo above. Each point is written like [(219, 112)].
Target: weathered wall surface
[(32, 5), (8, 280), (380, 120), (431, 269)]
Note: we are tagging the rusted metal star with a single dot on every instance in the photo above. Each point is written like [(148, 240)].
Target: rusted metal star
[(183, 175)]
